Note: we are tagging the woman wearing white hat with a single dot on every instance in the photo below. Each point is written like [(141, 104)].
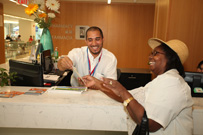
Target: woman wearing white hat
[(166, 99)]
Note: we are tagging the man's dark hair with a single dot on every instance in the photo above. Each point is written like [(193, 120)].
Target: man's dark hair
[(173, 60), (94, 28)]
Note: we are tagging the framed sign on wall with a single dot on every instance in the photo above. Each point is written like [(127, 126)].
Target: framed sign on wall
[(80, 32)]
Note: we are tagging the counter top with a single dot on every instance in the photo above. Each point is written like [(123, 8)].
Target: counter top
[(91, 110), (198, 102)]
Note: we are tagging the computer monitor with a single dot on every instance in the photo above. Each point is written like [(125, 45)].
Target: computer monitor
[(28, 74), (46, 61), (194, 80)]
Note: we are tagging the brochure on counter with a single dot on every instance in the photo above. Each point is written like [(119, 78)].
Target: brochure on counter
[(36, 91), (10, 94), (67, 89)]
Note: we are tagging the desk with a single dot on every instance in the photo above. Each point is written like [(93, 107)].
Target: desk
[(197, 115), (89, 111)]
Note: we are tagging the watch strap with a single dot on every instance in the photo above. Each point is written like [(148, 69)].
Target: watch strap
[(127, 101)]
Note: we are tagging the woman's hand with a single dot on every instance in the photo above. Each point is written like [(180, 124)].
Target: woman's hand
[(114, 85), (104, 86), (92, 82)]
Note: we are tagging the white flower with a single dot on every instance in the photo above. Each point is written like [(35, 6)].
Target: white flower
[(53, 5), (51, 15), (39, 2)]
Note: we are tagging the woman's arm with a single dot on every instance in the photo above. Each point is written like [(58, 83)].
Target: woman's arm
[(116, 91)]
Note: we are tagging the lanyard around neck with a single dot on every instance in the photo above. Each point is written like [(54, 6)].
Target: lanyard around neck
[(89, 64)]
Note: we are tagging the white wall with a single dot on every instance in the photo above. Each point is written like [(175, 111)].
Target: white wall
[(26, 28)]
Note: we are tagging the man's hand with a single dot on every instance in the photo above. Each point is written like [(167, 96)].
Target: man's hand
[(65, 63)]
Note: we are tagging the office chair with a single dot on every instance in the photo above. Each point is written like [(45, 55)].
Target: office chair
[(118, 73), (66, 80)]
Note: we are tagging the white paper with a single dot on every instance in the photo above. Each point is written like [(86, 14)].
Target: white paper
[(51, 77), (75, 71), (67, 89)]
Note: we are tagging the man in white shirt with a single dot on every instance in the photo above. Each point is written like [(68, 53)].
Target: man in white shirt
[(92, 59)]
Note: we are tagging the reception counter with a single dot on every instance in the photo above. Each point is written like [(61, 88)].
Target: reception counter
[(88, 111), (91, 112)]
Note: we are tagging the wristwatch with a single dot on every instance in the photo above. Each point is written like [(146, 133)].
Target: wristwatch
[(127, 101)]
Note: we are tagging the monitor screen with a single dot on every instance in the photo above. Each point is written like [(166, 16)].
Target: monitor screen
[(194, 80), (28, 74), (46, 61)]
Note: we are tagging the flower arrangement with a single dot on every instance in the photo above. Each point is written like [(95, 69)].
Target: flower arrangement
[(41, 17)]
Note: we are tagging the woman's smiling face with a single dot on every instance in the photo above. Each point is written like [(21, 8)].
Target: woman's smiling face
[(157, 61)]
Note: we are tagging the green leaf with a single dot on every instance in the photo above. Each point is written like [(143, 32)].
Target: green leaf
[(6, 78)]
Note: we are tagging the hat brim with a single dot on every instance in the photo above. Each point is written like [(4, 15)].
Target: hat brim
[(176, 45), (154, 42)]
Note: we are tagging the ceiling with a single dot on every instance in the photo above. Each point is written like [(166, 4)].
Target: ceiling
[(13, 9)]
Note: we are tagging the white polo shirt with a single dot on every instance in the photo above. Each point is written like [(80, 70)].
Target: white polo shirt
[(107, 66), (167, 100)]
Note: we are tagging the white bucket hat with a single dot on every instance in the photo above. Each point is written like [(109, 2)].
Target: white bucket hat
[(176, 45)]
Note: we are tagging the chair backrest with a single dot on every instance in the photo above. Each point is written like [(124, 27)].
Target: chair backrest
[(14, 45), (118, 73)]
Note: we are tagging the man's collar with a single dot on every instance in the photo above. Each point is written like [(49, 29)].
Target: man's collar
[(91, 56)]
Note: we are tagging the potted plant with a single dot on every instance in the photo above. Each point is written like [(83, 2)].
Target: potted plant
[(6, 77)]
